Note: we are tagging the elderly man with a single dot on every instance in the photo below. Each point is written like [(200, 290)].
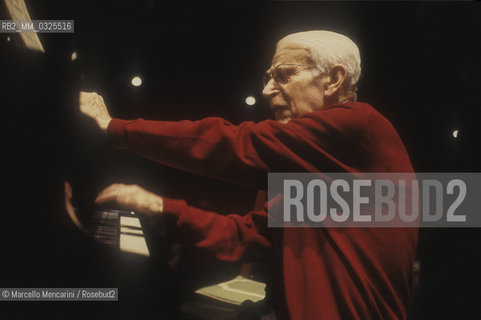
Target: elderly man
[(318, 273)]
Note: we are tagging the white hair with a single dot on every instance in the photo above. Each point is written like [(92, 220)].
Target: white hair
[(327, 49)]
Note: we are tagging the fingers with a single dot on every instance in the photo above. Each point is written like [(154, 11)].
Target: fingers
[(92, 105), (111, 193), (87, 100), (89, 97), (132, 197)]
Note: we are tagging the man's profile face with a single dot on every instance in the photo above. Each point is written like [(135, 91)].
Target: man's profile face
[(299, 88)]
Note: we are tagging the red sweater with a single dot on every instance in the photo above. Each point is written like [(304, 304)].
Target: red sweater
[(325, 273)]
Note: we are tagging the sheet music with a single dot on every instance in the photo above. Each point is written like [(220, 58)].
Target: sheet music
[(235, 291), (17, 10)]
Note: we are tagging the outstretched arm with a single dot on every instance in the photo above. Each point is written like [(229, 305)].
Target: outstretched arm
[(244, 153), (230, 238)]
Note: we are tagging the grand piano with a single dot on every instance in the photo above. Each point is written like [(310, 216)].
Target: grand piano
[(42, 243), (52, 235)]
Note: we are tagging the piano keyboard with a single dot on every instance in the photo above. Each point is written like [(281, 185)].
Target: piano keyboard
[(120, 229)]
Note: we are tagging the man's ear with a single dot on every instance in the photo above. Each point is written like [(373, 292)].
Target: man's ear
[(336, 78)]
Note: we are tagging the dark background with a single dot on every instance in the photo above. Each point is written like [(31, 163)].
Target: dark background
[(421, 69)]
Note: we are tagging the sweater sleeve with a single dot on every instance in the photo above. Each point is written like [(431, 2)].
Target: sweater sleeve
[(229, 238), (245, 153)]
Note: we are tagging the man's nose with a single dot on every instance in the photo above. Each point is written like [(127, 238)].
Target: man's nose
[(269, 90)]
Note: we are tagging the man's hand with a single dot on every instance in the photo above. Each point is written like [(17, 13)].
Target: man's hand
[(93, 106), (132, 197)]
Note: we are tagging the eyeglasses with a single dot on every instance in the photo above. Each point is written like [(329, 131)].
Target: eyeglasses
[(282, 73)]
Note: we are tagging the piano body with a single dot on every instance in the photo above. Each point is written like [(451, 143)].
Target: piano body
[(41, 246), (53, 236)]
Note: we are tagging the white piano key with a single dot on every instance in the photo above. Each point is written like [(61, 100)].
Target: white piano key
[(130, 222), (134, 243)]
